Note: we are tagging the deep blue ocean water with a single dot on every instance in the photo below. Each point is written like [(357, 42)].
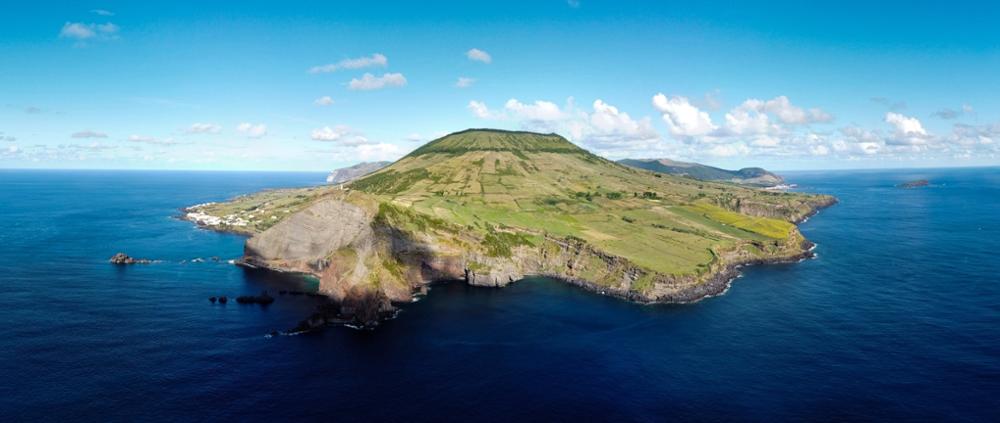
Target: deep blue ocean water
[(898, 319)]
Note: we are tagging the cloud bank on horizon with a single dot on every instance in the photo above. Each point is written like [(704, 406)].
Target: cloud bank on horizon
[(129, 89)]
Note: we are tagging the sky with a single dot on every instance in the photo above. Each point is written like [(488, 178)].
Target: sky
[(313, 86)]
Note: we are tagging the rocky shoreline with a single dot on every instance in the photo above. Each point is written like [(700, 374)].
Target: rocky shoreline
[(366, 309)]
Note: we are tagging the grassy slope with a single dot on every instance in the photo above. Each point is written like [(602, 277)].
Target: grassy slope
[(544, 184)]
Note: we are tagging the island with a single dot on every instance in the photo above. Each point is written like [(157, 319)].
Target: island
[(919, 183), (490, 207)]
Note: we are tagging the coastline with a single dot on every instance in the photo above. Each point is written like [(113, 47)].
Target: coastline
[(368, 311)]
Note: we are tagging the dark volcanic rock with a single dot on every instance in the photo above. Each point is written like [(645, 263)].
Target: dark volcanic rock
[(212, 299), (223, 300), (262, 299), (122, 258)]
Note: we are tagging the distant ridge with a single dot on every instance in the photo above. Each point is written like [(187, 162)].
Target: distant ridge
[(753, 176), (350, 173)]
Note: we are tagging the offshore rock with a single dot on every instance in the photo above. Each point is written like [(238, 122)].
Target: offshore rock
[(124, 259)]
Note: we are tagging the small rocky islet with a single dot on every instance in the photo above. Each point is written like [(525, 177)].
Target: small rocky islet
[(919, 183), (125, 259)]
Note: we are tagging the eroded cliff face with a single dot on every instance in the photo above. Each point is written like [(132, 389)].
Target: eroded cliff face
[(368, 256)]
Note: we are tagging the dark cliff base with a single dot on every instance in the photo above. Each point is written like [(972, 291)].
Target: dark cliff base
[(365, 310)]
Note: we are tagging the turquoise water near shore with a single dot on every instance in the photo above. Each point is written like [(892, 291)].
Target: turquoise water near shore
[(898, 318)]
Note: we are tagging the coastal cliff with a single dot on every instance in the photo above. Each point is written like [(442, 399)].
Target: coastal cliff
[(492, 207)]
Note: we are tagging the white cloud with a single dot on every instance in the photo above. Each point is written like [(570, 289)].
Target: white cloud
[(904, 124), (766, 141), (682, 118), (252, 130), (341, 134), (908, 130), (102, 12), (573, 3), (89, 134), (535, 115), (478, 55), (203, 128), (479, 109), (786, 112), (370, 82), (374, 60), (378, 152), (323, 101), (748, 119), (89, 31), (464, 82), (605, 128), (819, 150), (77, 30), (729, 150), (540, 111)]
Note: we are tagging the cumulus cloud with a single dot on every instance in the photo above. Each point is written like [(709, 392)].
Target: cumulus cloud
[(729, 150), (323, 101), (252, 130), (203, 128), (464, 82), (908, 130), (89, 134), (375, 60), (782, 108), (682, 118), (539, 111), (608, 128), (819, 150), (81, 32), (369, 82), (478, 55), (604, 128), (341, 134), (749, 119), (479, 109)]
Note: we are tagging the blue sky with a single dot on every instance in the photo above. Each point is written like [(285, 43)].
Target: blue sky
[(263, 85)]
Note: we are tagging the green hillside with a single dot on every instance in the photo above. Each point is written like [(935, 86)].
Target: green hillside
[(546, 184), (492, 206)]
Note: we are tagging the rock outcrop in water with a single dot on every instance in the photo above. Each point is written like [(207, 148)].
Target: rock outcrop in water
[(262, 299), (914, 184), (124, 259)]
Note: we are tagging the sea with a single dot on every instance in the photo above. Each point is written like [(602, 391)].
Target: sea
[(896, 319)]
